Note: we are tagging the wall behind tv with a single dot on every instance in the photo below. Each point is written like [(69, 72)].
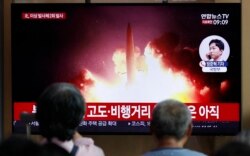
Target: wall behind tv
[(134, 145), (1, 69)]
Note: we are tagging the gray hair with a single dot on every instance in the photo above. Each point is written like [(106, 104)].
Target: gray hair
[(170, 118)]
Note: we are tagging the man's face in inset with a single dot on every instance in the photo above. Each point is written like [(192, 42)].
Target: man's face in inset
[(214, 51)]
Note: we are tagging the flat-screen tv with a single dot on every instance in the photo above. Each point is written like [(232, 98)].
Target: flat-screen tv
[(127, 57)]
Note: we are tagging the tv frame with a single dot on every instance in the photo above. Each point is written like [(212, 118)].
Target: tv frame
[(232, 134), (1, 69)]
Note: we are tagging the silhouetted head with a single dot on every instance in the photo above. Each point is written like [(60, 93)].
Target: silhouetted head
[(234, 148), (14, 146), (60, 109)]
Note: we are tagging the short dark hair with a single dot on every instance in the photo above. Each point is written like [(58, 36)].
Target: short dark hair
[(218, 43), (17, 145), (170, 118), (60, 109)]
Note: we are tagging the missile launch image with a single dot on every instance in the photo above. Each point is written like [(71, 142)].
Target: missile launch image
[(120, 54), (130, 60)]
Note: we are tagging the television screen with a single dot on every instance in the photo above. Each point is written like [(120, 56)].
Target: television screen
[(127, 57)]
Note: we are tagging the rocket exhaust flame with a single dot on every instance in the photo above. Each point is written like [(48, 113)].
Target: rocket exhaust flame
[(139, 78)]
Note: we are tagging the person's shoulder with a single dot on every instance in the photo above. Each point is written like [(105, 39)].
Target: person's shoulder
[(174, 151), (84, 141), (194, 153), (87, 147)]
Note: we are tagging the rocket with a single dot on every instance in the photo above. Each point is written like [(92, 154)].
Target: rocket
[(130, 56)]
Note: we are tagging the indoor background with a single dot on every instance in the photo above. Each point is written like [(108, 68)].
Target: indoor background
[(133, 145)]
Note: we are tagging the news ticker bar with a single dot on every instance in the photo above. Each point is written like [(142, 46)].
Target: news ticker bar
[(143, 111)]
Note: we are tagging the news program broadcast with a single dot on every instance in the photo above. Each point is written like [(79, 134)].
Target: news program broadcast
[(125, 58)]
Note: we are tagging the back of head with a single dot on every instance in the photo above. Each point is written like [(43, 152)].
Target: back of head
[(240, 145), (243, 136), (60, 109), (234, 148), (14, 146), (170, 118), (17, 145)]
